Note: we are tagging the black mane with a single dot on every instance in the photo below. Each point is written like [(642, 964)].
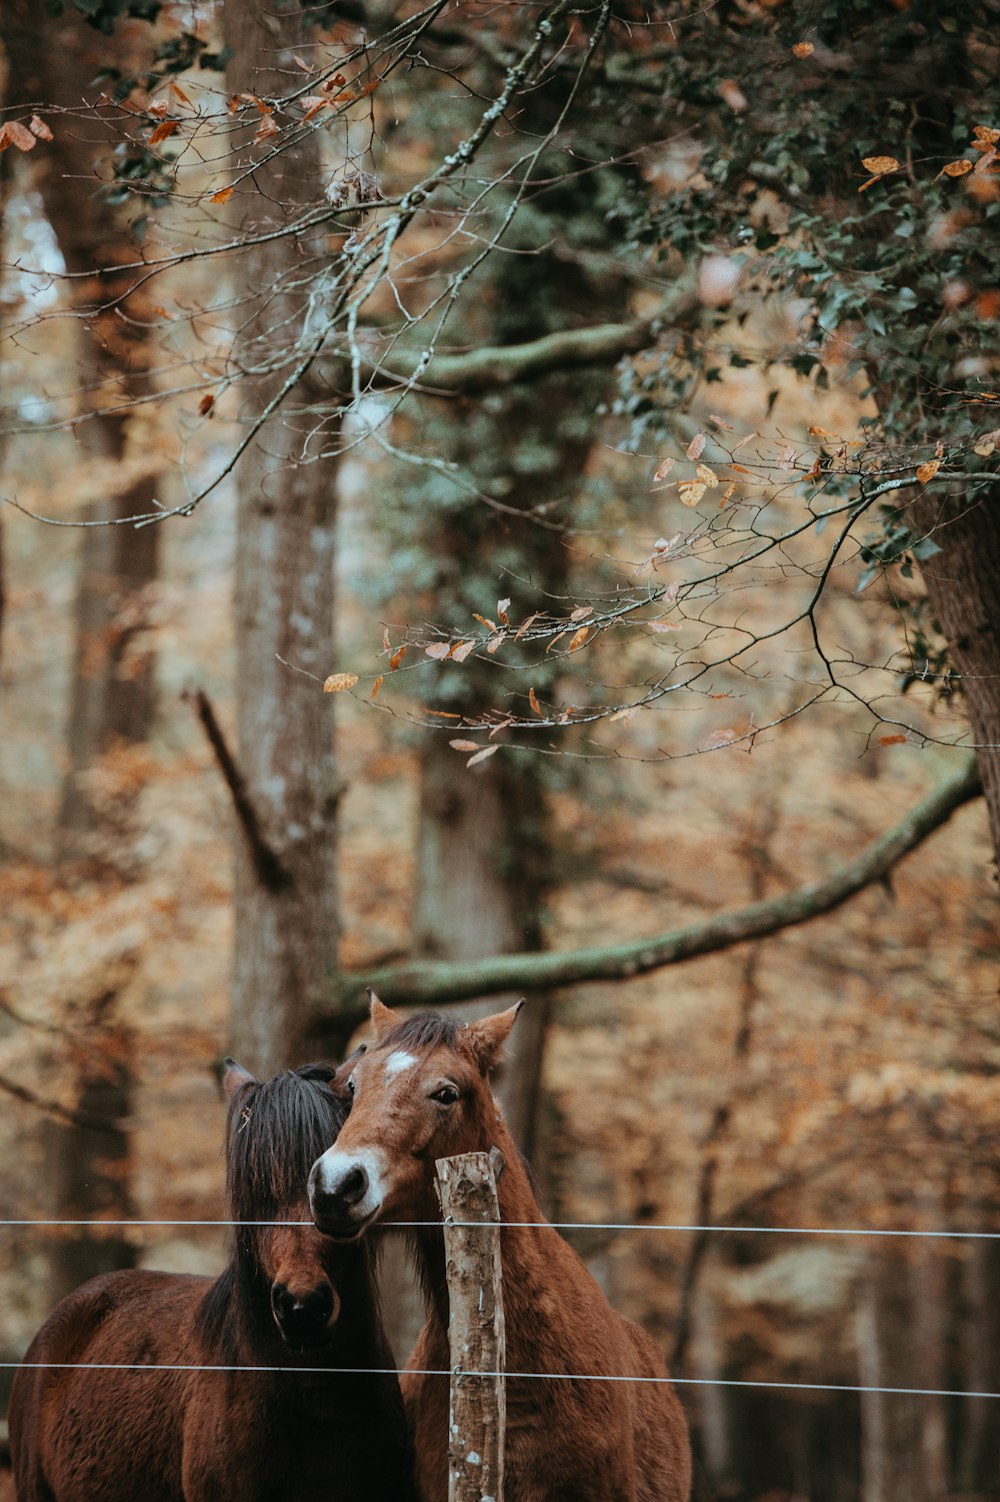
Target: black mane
[(274, 1134), (426, 1030)]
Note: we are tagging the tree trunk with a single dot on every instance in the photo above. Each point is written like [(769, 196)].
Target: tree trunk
[(962, 585), (286, 928), (55, 59)]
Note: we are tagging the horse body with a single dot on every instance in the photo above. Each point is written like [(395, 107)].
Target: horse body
[(423, 1093), (86, 1426)]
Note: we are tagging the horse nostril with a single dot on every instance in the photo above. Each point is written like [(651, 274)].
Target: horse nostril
[(353, 1187), (282, 1302), (304, 1319)]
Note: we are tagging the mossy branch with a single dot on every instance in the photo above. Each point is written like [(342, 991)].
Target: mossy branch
[(436, 982)]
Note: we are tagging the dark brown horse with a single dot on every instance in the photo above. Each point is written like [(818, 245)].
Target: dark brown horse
[(156, 1387), (422, 1093)]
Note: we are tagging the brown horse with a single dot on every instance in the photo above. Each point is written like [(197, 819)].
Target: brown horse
[(422, 1093), (155, 1387)]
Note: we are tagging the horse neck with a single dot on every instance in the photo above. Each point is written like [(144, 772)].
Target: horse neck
[(525, 1243)]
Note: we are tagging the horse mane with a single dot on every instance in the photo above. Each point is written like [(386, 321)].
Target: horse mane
[(275, 1131), (425, 1030)]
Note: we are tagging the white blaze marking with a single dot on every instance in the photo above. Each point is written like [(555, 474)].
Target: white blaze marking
[(397, 1062)]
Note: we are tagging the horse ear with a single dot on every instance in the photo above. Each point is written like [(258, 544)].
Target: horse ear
[(381, 1017), (236, 1078), (487, 1038)]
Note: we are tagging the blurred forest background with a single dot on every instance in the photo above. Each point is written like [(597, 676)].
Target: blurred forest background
[(599, 403)]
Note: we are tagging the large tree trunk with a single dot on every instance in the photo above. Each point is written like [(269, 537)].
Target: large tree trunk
[(286, 929), (963, 584), (55, 60)]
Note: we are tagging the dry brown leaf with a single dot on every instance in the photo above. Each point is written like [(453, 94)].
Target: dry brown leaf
[(581, 612), (376, 686), (691, 492), (13, 133), (526, 624), (727, 494), (720, 422), (444, 714), (985, 135), (38, 128), (880, 165), (578, 638), (338, 682), (206, 404), (928, 470), (787, 457), (267, 128), (721, 738), (730, 93), (957, 169), (662, 627), (179, 93), (985, 161), (554, 640), (397, 658), (696, 447), (461, 650), (460, 745), (223, 195), (481, 755), (502, 608), (815, 431), (803, 49), (664, 469), (157, 108), (533, 701), (438, 650), (494, 643), (706, 476), (626, 715), (892, 740), (165, 129), (483, 621)]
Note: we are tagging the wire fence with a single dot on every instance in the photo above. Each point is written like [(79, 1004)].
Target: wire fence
[(611, 1226)]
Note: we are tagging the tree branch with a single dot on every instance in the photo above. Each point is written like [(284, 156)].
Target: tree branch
[(429, 981), (266, 862), (502, 365)]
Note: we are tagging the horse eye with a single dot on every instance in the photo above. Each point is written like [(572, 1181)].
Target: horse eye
[(350, 1085), (447, 1095)]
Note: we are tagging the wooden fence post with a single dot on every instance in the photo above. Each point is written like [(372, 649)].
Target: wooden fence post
[(467, 1190)]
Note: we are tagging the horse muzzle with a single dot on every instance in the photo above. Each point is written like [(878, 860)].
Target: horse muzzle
[(344, 1194), (304, 1318)]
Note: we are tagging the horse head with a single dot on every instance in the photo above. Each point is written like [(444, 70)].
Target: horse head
[(421, 1092), (275, 1131)]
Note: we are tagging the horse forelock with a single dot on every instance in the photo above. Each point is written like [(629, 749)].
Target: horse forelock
[(275, 1132), (425, 1031)]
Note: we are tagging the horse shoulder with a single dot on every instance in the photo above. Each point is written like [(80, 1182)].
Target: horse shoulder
[(662, 1447)]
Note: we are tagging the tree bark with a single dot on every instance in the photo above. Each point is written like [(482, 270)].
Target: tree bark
[(286, 929), (963, 585)]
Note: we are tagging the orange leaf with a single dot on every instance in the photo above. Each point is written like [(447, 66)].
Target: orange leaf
[(444, 714), (163, 130), (696, 447), (533, 701), (462, 649), (985, 136), (578, 638), (706, 476), (481, 755), (179, 93), (502, 607), (397, 658), (376, 686), (38, 128), (554, 640), (13, 133), (815, 431), (727, 494), (464, 745), (206, 404), (528, 621), (664, 469), (985, 161), (483, 621), (957, 169), (338, 682), (892, 740), (223, 195), (803, 49), (267, 128), (928, 470), (880, 165)]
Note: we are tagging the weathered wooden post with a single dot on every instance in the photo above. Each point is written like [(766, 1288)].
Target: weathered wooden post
[(467, 1189)]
